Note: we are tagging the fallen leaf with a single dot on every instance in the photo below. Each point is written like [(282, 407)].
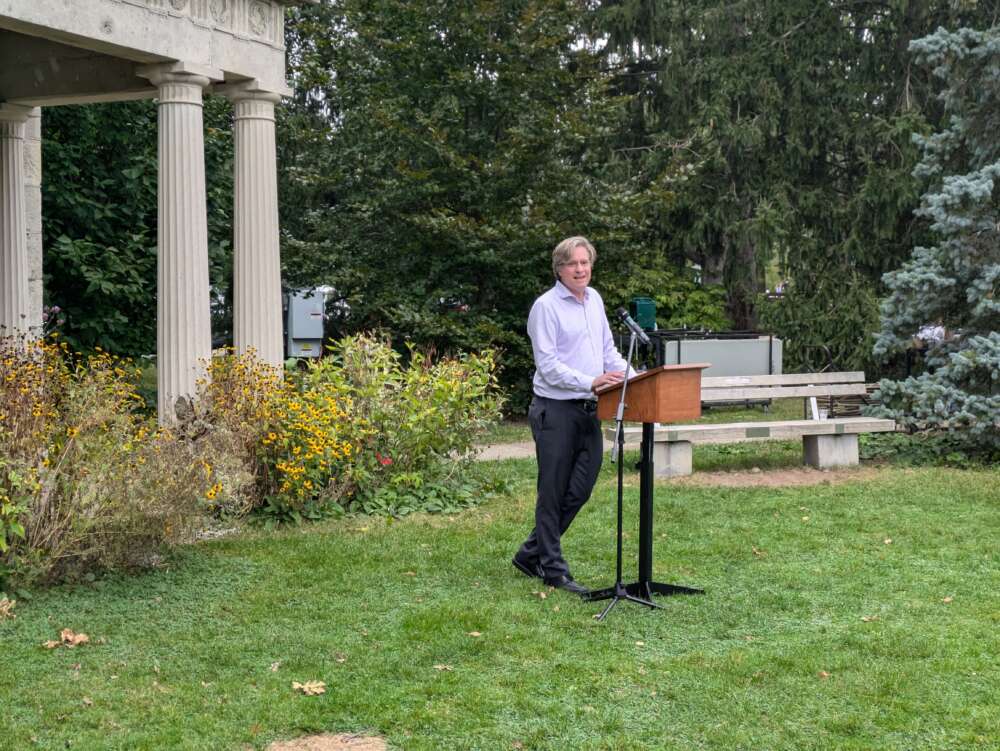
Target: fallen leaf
[(805, 518), (409, 573), (869, 618), (640, 644), (7, 609), (443, 667), (823, 674), (87, 701), (340, 657), (52, 644), (887, 541), (75, 667), (474, 633), (71, 639), (555, 608), (947, 599), (540, 595), (310, 688), (275, 666), (517, 746), (757, 551)]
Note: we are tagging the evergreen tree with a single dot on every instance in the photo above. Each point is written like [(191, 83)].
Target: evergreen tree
[(955, 284), (776, 133)]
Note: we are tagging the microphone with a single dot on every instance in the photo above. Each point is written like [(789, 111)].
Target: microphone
[(634, 327)]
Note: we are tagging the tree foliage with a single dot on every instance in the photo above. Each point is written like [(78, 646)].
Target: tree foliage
[(781, 132), (100, 213), (438, 152), (954, 284)]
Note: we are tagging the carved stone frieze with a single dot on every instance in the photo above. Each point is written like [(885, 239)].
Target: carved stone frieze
[(220, 10), (260, 14), (260, 19)]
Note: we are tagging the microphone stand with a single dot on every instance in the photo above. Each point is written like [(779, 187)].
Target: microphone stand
[(618, 592)]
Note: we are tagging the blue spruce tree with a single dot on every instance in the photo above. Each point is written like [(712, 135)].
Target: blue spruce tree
[(954, 286)]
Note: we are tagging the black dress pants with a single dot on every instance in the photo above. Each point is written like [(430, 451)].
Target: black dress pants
[(569, 449)]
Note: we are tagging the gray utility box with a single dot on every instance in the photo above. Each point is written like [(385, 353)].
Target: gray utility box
[(305, 324), (759, 355)]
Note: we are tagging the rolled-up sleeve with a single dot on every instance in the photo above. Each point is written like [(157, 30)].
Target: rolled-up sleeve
[(543, 329), (613, 359)]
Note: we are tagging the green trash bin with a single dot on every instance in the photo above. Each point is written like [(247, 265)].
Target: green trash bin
[(643, 311)]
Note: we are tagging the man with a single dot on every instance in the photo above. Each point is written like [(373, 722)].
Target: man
[(574, 356)]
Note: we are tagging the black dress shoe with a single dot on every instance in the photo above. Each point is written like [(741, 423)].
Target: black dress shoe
[(566, 582), (527, 569)]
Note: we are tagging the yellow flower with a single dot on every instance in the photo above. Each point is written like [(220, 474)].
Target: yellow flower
[(71, 432)]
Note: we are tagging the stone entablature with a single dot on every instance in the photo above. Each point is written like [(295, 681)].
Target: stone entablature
[(244, 39), (258, 19)]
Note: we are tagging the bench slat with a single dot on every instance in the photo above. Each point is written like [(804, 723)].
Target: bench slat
[(755, 431), (784, 379), (780, 392)]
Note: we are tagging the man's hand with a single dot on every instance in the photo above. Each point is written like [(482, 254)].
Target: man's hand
[(607, 379)]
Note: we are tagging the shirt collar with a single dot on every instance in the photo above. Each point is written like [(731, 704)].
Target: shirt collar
[(564, 291)]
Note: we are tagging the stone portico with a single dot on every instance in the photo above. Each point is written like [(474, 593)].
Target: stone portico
[(55, 52)]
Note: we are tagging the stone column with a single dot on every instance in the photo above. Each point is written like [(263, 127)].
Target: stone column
[(183, 322), (33, 217), (14, 313), (256, 259)]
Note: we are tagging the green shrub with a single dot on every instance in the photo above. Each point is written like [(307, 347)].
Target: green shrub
[(86, 481), (372, 431), (925, 449)]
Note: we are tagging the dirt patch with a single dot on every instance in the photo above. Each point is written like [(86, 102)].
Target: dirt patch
[(775, 478), (330, 742)]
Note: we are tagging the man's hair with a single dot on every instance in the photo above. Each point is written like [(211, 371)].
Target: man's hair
[(565, 249)]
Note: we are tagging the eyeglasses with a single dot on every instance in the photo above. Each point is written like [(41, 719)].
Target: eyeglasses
[(575, 264)]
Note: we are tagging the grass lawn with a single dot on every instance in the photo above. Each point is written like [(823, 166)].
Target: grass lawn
[(857, 615)]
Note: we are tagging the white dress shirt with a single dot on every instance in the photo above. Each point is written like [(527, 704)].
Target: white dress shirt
[(572, 343)]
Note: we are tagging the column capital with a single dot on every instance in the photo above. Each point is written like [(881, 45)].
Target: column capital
[(179, 72), (14, 113), (249, 90)]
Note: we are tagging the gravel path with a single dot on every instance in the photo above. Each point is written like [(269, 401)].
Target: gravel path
[(519, 450)]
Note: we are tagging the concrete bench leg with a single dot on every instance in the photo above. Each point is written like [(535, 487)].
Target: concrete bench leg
[(823, 451), (672, 459)]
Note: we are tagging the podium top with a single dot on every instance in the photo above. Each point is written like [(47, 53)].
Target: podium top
[(652, 372), (668, 393)]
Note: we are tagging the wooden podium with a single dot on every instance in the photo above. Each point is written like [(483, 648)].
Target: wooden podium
[(668, 393)]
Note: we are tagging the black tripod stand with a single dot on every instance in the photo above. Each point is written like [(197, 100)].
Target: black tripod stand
[(619, 592), (642, 591)]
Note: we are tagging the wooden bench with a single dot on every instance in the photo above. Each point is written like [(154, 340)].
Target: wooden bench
[(826, 442)]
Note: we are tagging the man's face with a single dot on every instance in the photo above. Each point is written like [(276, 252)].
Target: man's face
[(575, 273)]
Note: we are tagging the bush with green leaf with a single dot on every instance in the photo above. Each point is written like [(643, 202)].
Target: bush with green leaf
[(86, 481), (378, 432)]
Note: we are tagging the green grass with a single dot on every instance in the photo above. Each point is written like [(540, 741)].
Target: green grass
[(511, 430), (775, 655)]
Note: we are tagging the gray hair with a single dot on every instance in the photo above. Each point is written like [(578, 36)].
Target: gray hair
[(565, 249)]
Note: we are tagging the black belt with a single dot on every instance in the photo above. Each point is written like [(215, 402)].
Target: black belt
[(587, 405)]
